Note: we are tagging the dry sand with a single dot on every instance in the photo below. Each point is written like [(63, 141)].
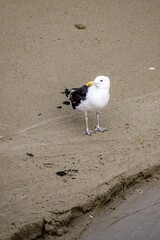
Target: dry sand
[(42, 52)]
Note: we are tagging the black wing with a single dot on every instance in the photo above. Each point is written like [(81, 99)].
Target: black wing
[(76, 95)]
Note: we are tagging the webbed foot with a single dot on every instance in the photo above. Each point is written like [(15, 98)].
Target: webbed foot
[(100, 129), (88, 132)]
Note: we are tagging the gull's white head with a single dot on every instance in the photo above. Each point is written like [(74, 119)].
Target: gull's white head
[(100, 82)]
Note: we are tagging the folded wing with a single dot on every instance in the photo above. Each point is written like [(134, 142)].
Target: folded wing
[(76, 95)]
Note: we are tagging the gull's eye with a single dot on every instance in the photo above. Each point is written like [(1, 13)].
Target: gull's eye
[(101, 80)]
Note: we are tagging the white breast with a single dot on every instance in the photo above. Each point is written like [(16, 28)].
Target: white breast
[(96, 99)]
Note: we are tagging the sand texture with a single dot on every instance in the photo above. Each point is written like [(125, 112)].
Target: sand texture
[(42, 52)]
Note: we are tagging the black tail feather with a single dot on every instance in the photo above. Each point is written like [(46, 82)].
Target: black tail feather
[(67, 92)]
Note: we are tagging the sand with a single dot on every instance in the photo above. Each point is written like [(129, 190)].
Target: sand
[(136, 217), (42, 52)]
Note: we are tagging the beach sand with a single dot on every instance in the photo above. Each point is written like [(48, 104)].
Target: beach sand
[(42, 52)]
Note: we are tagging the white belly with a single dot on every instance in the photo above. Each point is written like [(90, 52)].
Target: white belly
[(95, 100)]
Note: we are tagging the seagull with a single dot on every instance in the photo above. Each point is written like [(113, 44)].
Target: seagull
[(90, 97)]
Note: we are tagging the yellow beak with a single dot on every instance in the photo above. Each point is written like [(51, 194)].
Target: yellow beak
[(90, 83)]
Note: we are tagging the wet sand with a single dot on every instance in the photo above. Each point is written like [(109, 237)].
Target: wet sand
[(42, 52), (137, 217)]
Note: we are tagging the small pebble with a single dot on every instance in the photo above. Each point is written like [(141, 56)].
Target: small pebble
[(61, 173), (80, 26), (29, 154), (139, 190), (66, 102), (66, 172)]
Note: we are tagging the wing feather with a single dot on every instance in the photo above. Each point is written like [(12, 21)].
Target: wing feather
[(76, 95)]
